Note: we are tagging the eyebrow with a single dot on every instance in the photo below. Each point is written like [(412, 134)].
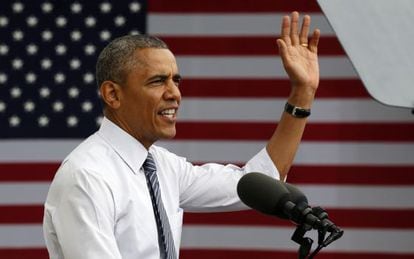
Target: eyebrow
[(164, 77)]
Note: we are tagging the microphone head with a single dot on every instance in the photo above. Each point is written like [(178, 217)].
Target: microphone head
[(296, 195), (263, 193)]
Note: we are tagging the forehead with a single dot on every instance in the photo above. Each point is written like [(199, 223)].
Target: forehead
[(152, 60)]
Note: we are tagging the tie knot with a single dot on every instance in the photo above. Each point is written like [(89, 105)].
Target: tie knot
[(149, 164)]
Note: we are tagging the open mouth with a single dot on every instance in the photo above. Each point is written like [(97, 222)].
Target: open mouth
[(168, 113)]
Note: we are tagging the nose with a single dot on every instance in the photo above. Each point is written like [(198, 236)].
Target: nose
[(172, 92)]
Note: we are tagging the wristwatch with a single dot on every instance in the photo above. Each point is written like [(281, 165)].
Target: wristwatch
[(297, 112)]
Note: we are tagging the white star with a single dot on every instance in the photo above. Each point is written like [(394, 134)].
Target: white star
[(46, 63), (18, 35), (61, 21), (88, 78), (105, 35), (134, 7), (72, 121), (17, 63), (31, 49), (75, 63), (105, 7), (14, 121), (119, 21), (134, 32), (2, 106), (87, 106), (89, 49), (47, 35), (98, 120), (59, 78), (15, 92), (4, 49), (17, 7), (3, 21), (43, 121), (60, 49), (3, 78), (58, 106), (47, 7), (32, 21), (44, 92), (73, 92), (30, 77), (76, 35), (29, 106), (76, 7), (90, 21)]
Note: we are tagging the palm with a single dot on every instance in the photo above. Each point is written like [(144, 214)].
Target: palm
[(299, 58)]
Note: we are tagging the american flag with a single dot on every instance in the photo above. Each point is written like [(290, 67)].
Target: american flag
[(356, 159)]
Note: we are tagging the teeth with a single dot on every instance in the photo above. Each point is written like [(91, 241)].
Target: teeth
[(169, 113)]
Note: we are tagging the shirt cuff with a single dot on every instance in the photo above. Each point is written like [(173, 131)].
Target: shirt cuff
[(262, 163)]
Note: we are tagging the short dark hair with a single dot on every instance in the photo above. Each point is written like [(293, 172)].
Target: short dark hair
[(117, 59)]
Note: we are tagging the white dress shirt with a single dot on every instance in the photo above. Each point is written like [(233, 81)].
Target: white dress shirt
[(98, 205)]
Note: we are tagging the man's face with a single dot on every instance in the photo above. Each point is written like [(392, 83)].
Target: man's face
[(150, 97)]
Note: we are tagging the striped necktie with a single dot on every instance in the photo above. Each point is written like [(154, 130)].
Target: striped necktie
[(165, 238)]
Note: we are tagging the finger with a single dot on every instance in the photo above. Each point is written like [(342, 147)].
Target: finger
[(303, 36), (285, 30), (282, 50), (313, 44), (294, 25)]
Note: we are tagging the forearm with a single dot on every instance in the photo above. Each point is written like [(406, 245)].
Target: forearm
[(284, 143)]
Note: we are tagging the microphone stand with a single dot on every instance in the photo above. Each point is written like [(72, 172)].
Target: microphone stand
[(306, 242)]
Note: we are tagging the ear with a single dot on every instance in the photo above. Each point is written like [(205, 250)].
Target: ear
[(111, 94)]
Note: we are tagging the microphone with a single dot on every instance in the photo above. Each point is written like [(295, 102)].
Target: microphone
[(272, 197)]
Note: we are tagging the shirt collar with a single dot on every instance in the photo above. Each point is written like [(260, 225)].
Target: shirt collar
[(127, 147)]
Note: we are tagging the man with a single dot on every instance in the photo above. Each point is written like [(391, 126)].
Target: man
[(119, 196)]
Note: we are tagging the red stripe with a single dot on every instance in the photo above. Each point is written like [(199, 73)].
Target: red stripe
[(299, 174), (33, 172), (314, 131), (355, 218), (352, 175), (240, 46), (249, 254), (41, 253), (231, 6), (26, 253), (268, 88)]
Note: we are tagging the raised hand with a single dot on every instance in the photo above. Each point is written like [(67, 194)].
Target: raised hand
[(298, 53)]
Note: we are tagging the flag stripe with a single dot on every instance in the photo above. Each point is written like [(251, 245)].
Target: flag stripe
[(329, 196), (239, 24), (299, 174), (240, 46), (267, 88), (266, 67), (314, 131), (354, 218), (231, 6)]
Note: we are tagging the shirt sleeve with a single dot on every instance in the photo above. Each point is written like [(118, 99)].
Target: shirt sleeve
[(213, 187), (82, 218)]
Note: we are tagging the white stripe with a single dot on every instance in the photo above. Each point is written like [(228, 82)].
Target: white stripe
[(270, 109), (21, 235), (245, 238), (257, 67), (331, 196), (23, 193), (310, 153), (278, 238), (225, 24)]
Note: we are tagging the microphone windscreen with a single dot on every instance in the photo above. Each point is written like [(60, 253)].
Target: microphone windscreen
[(263, 193), (296, 195)]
